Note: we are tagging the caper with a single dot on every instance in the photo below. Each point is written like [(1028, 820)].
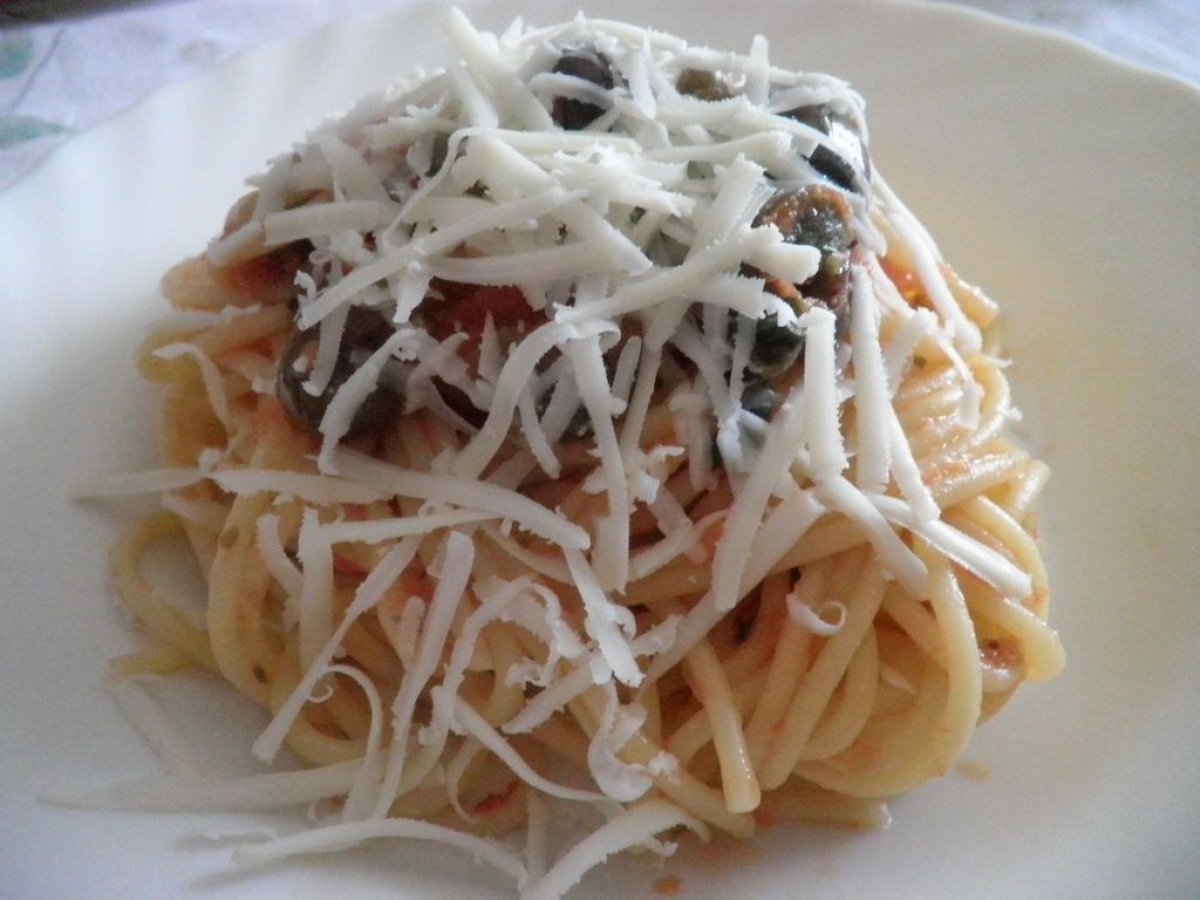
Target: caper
[(703, 84)]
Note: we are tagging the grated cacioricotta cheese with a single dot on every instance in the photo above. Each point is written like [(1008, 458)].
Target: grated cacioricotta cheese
[(564, 262)]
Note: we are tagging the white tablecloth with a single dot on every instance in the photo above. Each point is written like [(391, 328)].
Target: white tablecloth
[(62, 71)]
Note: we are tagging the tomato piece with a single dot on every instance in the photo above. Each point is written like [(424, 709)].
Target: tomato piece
[(269, 278), (345, 566), (465, 307), (493, 803)]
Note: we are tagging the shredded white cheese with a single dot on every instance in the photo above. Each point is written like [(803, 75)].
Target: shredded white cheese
[(465, 492), (628, 829), (585, 303)]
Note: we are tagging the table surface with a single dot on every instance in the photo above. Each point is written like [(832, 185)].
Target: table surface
[(67, 65)]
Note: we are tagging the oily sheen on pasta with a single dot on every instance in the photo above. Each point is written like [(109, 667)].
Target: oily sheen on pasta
[(587, 423)]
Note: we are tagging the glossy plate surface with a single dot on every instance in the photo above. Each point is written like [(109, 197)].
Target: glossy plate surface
[(1059, 179)]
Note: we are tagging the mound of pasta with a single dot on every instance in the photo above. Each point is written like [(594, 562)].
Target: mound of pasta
[(588, 423)]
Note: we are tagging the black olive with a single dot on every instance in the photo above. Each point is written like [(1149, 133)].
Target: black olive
[(759, 398), (586, 64), (760, 401), (816, 117), (837, 168), (818, 216), (365, 332), (776, 347), (703, 84), (460, 403), (580, 425), (437, 152)]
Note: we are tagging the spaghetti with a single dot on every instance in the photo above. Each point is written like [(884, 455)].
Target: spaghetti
[(588, 421)]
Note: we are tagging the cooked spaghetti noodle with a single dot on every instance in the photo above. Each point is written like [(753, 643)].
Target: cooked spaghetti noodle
[(588, 420)]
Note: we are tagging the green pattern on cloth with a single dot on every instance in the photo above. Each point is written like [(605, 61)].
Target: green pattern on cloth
[(22, 129), (16, 54)]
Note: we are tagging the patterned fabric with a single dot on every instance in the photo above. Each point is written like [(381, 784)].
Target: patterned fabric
[(66, 65)]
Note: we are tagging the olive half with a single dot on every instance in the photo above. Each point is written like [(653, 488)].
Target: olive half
[(818, 216), (366, 330), (588, 65), (849, 165)]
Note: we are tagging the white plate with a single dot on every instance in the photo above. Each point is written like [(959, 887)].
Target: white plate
[(1061, 180)]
